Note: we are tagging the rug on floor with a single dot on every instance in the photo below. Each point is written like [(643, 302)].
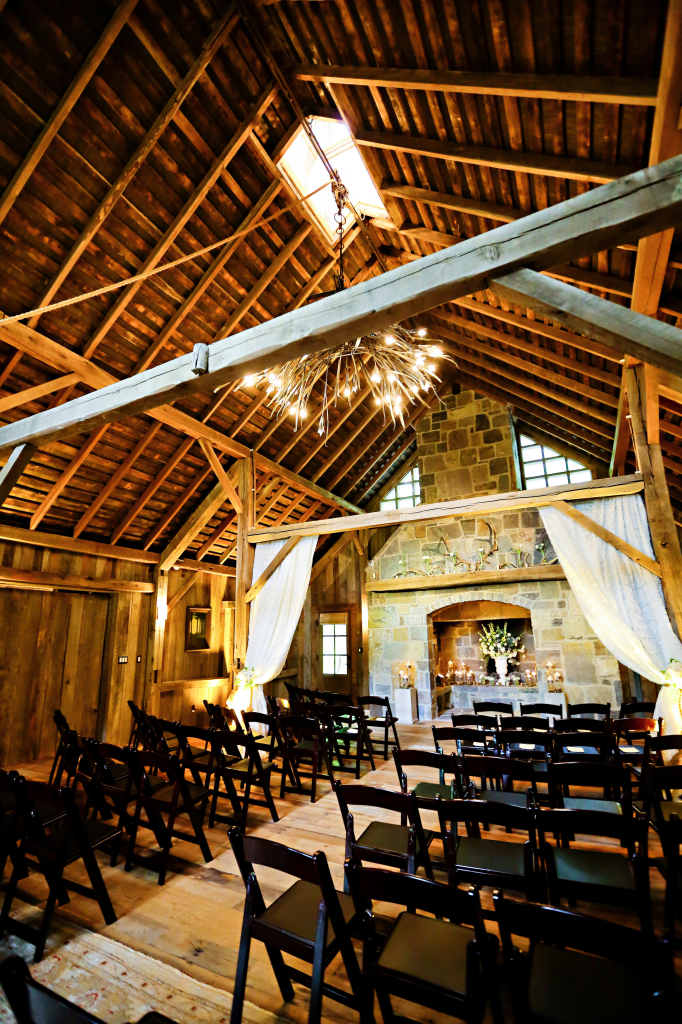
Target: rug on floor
[(120, 984)]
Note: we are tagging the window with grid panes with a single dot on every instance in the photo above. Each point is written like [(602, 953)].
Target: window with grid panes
[(543, 467), (406, 493), (334, 630)]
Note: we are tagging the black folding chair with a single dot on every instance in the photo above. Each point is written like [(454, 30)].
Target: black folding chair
[(311, 921), (385, 720), (583, 746), (176, 798), (63, 741), (33, 1003), (494, 862), (305, 743), (445, 965), (49, 851), (496, 777), (465, 740), (637, 709), (619, 879), (493, 707), (404, 846), (600, 710), (581, 970), (347, 724), (236, 759), (612, 782), (552, 710)]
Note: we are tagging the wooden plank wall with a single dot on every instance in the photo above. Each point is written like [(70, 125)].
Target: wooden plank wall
[(337, 588), (208, 591)]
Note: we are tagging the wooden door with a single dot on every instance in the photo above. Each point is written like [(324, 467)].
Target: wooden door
[(334, 645)]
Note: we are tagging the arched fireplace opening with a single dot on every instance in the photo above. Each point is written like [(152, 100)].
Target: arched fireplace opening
[(457, 658)]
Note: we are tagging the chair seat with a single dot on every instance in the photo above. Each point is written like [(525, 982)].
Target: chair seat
[(434, 952), (243, 766), (491, 855), (295, 911), (97, 833), (432, 790), (502, 797), (594, 868), (579, 803), (669, 807), (568, 987), (385, 835), (194, 792)]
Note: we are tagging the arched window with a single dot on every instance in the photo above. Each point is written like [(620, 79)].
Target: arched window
[(543, 467), (405, 493)]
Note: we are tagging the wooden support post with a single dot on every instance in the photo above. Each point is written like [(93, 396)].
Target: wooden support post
[(245, 552), (156, 635), (13, 468), (659, 510)]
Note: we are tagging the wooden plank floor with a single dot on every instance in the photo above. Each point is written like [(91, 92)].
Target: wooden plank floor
[(193, 922)]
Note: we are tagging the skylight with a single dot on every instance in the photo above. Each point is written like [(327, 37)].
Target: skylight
[(306, 172), (543, 467)]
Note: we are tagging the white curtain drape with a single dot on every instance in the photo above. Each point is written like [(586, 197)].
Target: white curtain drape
[(622, 601), (274, 616)]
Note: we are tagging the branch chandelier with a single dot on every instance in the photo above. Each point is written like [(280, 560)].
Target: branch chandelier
[(397, 364)]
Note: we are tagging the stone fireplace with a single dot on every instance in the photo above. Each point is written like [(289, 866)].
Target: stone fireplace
[(465, 450)]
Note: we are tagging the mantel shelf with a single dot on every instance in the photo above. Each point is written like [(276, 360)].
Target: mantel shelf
[(468, 579)]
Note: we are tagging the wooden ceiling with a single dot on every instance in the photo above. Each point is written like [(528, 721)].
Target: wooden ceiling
[(138, 132)]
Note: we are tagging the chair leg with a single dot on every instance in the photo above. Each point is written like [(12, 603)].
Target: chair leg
[(98, 886), (313, 782), (133, 836), (264, 783), (242, 969), (45, 926), (317, 982), (281, 973), (198, 830)]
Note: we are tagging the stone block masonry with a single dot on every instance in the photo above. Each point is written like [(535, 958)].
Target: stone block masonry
[(465, 449)]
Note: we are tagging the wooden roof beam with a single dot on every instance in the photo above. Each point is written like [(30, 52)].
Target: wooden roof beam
[(216, 38), (117, 477), (461, 204), (606, 322), (574, 168), (263, 282), (39, 391), (67, 475), (592, 221), (488, 504), (190, 206), (513, 341), (569, 88), (538, 327), (65, 106), (208, 277), (192, 526), (14, 468), (392, 459), (527, 366)]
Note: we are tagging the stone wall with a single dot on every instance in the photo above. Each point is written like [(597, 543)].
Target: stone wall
[(465, 449), (400, 627)]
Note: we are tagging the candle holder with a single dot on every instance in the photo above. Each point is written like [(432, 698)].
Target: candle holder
[(554, 679)]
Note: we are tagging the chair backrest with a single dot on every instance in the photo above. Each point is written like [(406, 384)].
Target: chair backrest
[(62, 724), (634, 728), (486, 722), (637, 708), (568, 929), (257, 718), (27, 794), (484, 812), (529, 737), (554, 710), (462, 906), (588, 709), (662, 780), (568, 823), (295, 726), (526, 722), (563, 742), (446, 764), (491, 766), (598, 725), (448, 733), (499, 707), (612, 779), (382, 702)]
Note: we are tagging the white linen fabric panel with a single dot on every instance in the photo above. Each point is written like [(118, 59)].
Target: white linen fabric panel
[(276, 610), (622, 601)]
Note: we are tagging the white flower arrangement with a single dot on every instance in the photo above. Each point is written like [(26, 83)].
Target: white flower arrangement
[(498, 642), (245, 677), (673, 675)]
